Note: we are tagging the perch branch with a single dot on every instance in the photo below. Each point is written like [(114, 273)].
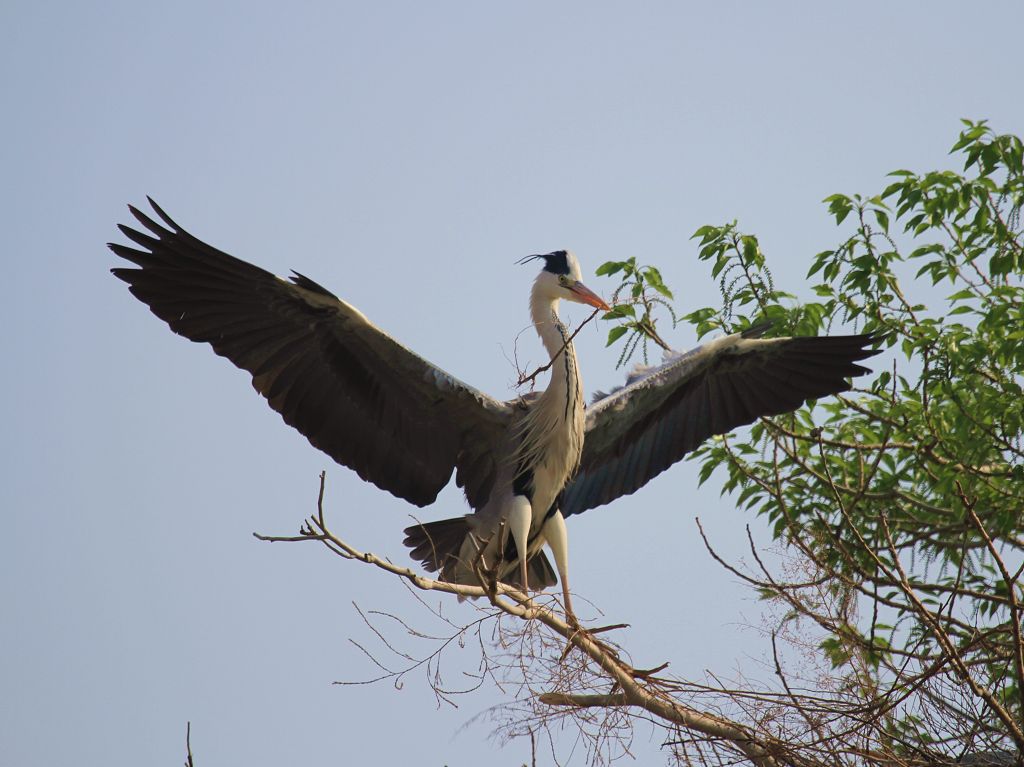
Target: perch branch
[(645, 694)]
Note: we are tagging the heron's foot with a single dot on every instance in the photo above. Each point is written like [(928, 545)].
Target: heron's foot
[(570, 614), (488, 580)]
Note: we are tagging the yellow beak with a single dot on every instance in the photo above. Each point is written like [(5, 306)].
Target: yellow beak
[(586, 296)]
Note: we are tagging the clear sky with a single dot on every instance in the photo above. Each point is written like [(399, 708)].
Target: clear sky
[(404, 155)]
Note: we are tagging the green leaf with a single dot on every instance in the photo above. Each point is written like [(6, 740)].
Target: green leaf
[(616, 333), (619, 311), (609, 267), (653, 277), (751, 250), (839, 205)]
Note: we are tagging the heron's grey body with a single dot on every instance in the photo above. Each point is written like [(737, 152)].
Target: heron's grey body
[(406, 425), (541, 452)]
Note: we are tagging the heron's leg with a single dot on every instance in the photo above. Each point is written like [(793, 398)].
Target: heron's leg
[(520, 518), (558, 539)]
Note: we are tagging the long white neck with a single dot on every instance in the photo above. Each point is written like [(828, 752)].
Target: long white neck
[(565, 384), (551, 434)]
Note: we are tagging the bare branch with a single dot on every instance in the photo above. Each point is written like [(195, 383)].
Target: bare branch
[(637, 688), (584, 701)]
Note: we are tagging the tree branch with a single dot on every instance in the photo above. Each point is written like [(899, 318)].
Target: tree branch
[(636, 688)]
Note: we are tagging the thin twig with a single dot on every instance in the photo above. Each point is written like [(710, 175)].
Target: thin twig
[(525, 379)]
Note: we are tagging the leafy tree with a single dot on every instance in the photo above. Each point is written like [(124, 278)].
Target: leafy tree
[(899, 505)]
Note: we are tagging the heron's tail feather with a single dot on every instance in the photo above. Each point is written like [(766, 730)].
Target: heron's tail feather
[(437, 546), (538, 571)]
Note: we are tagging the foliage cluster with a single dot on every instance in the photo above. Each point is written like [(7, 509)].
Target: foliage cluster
[(906, 495)]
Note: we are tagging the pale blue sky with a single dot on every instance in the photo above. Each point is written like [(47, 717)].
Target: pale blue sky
[(403, 155)]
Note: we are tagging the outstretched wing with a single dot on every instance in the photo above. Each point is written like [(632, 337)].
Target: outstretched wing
[(638, 431), (353, 391)]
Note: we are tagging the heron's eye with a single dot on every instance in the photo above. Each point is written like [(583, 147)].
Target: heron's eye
[(563, 280)]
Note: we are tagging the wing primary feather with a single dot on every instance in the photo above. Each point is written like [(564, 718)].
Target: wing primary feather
[(636, 432), (351, 390)]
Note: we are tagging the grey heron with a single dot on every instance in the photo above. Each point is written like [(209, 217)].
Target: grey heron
[(406, 425)]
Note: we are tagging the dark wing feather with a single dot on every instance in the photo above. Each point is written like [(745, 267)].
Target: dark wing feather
[(354, 392), (663, 413)]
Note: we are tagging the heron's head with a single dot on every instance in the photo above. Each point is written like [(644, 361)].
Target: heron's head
[(561, 278)]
